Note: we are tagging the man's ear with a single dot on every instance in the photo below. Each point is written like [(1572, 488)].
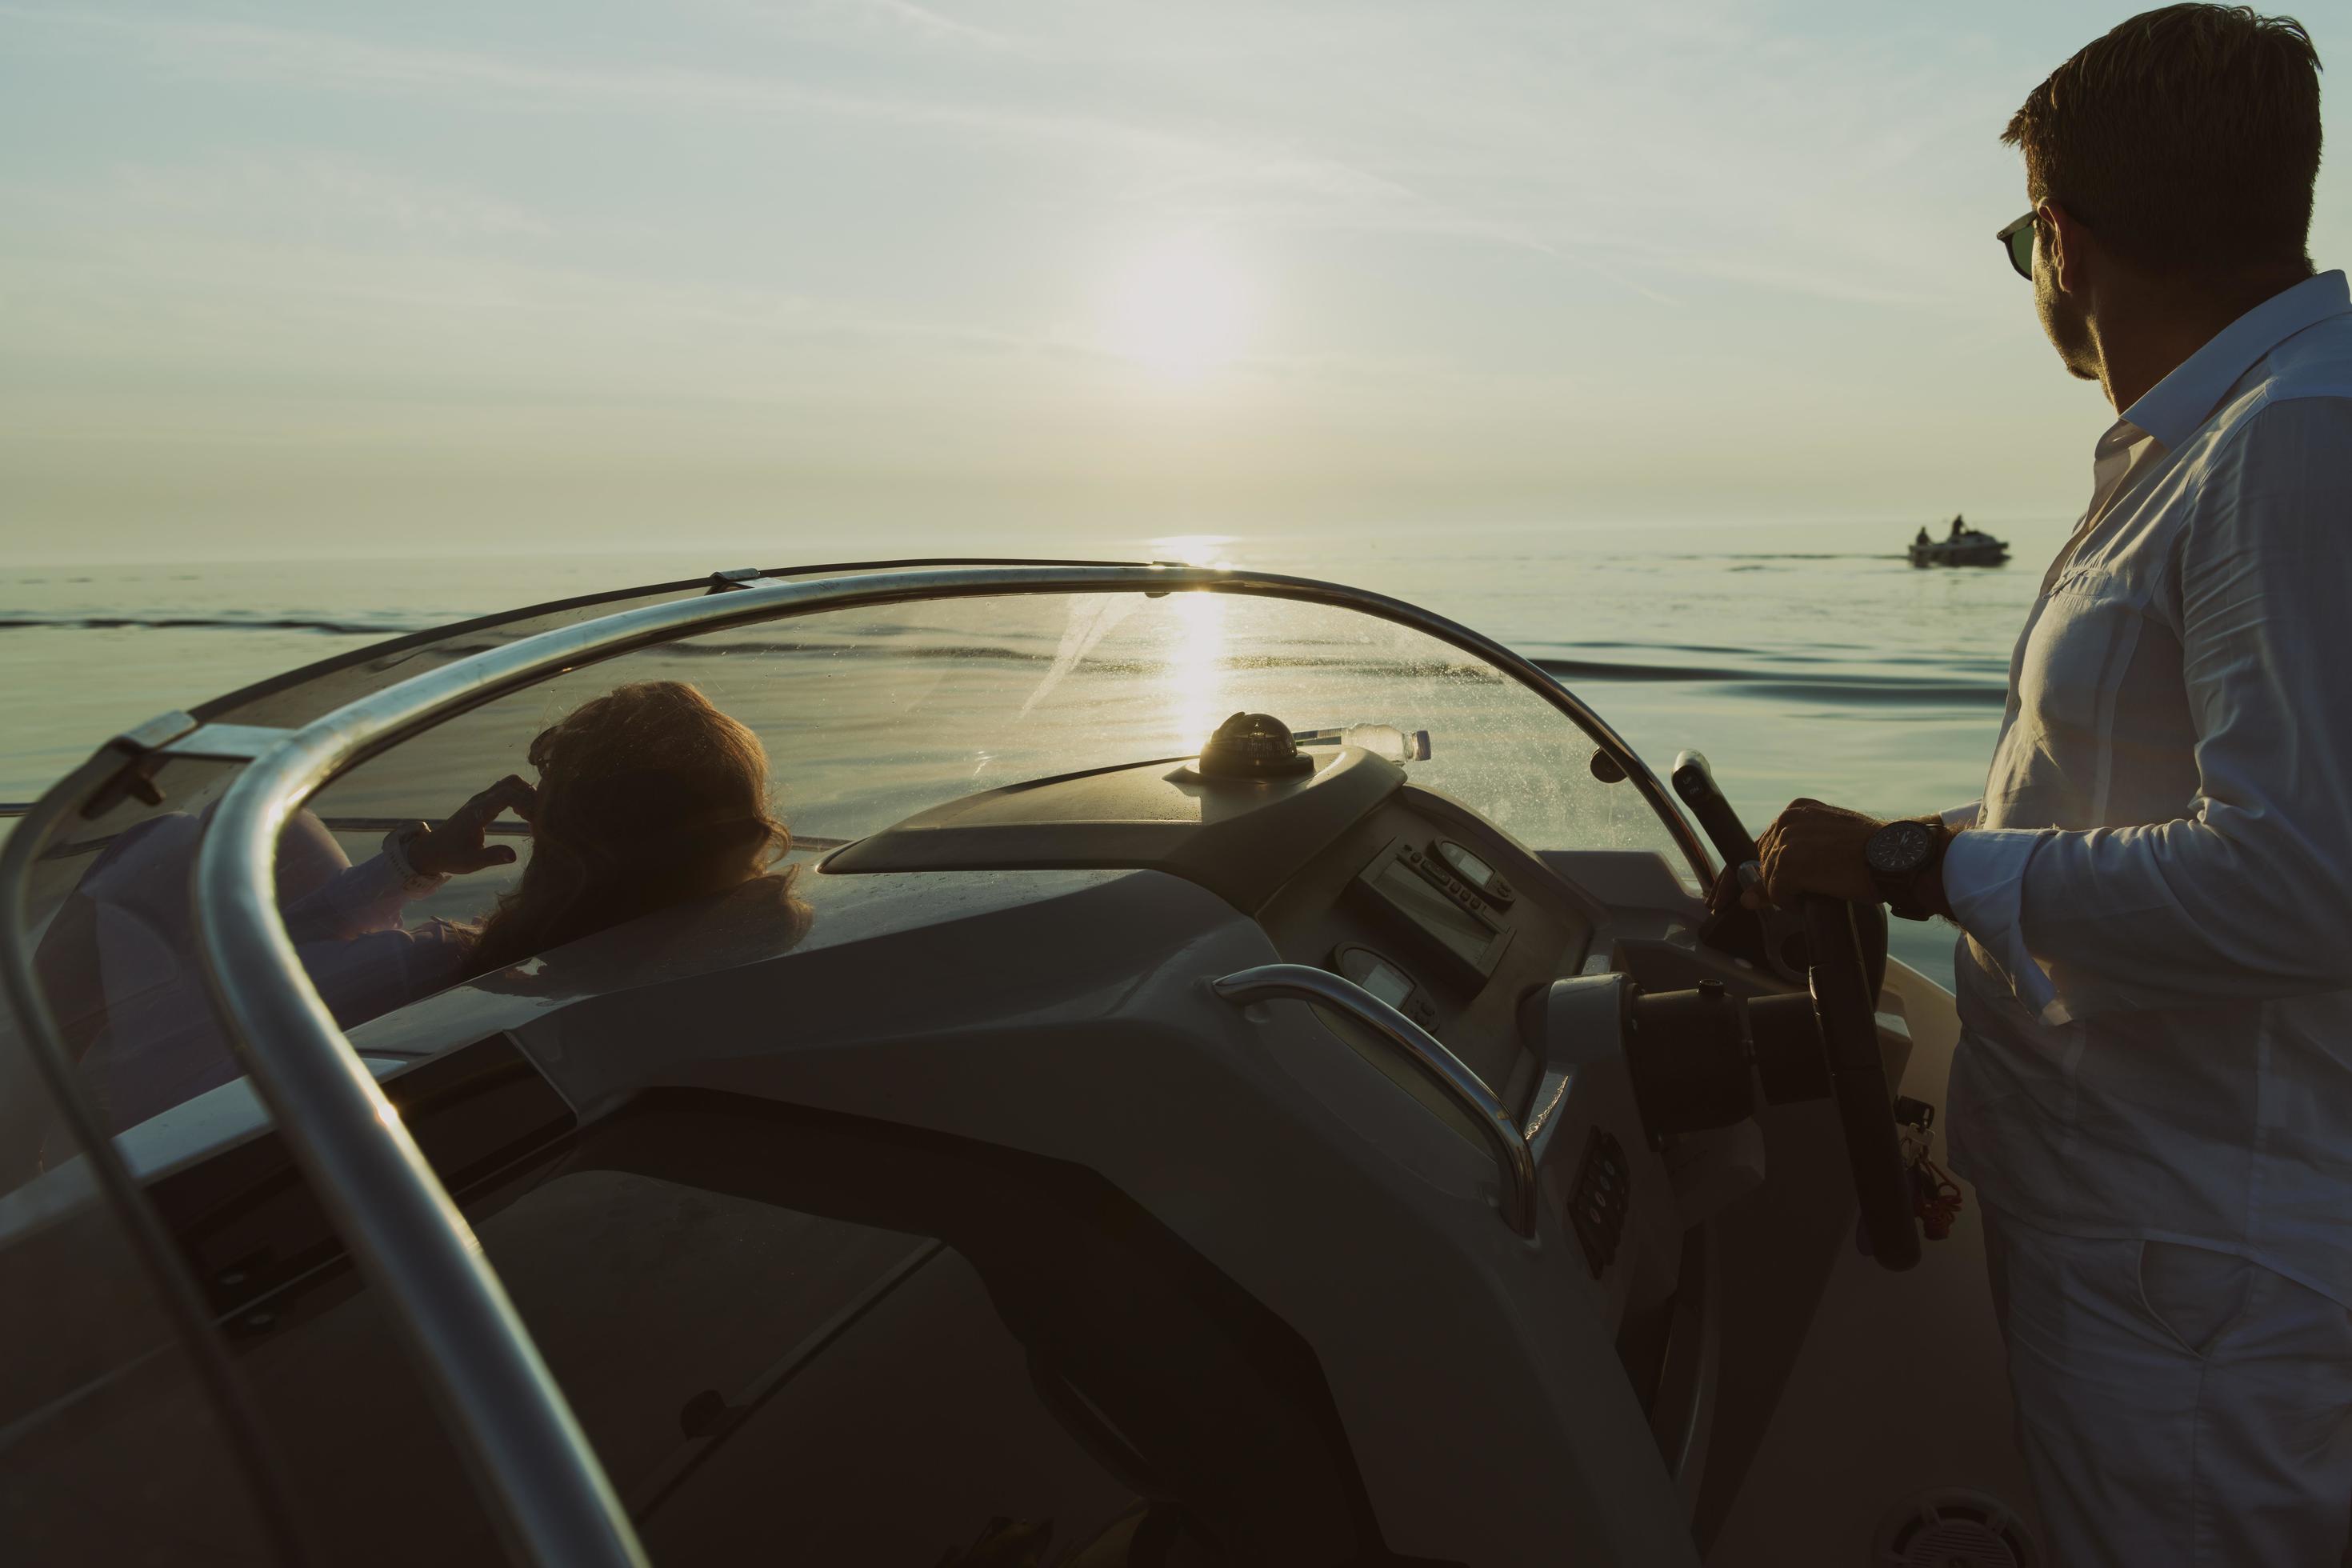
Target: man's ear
[(2069, 247)]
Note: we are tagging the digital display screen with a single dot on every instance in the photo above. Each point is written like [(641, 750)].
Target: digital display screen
[(1433, 911), (1386, 981), (1467, 867)]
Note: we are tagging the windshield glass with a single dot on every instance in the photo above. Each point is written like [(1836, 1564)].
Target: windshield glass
[(871, 715), (727, 762)]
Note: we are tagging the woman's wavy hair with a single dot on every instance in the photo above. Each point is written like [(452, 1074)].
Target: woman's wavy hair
[(648, 795)]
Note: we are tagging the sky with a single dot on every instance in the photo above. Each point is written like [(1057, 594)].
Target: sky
[(362, 280)]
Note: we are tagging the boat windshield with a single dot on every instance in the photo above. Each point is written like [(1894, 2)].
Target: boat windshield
[(865, 716), (868, 716)]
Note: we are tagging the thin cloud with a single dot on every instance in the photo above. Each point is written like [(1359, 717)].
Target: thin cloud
[(264, 191), (314, 60), (1542, 136), (860, 19), (1319, 196)]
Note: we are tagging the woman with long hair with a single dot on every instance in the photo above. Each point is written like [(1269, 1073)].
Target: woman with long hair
[(646, 797)]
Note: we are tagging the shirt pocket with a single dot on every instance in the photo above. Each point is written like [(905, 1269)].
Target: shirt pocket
[(2082, 632)]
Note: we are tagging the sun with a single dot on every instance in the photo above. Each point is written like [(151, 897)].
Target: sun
[(1180, 312)]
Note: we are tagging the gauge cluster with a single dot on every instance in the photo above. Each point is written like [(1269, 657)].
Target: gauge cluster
[(1414, 890), (1432, 910)]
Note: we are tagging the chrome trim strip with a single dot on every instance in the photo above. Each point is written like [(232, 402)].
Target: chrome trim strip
[(535, 1467), (1305, 983), (224, 742), (1551, 1089), (157, 733)]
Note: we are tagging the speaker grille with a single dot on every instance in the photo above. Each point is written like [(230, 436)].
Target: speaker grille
[(1954, 1530)]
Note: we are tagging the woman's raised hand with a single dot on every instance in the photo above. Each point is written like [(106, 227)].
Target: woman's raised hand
[(456, 847)]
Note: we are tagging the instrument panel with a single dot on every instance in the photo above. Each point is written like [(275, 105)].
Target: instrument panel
[(1429, 907)]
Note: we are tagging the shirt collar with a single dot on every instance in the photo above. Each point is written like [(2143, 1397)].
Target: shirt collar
[(2173, 408)]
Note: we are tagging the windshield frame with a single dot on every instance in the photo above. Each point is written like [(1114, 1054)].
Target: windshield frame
[(715, 582), (781, 593)]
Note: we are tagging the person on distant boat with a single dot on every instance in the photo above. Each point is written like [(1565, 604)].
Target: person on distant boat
[(2153, 1089), (1959, 528), (647, 796), (1922, 535)]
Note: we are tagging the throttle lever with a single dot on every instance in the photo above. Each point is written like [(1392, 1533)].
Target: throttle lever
[(1768, 938), (1693, 780), (1729, 930), (1775, 938)]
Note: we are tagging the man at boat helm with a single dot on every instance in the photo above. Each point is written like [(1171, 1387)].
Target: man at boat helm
[(2153, 1091)]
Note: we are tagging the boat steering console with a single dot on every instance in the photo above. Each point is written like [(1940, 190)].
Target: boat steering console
[(1702, 1059), (1699, 1059)]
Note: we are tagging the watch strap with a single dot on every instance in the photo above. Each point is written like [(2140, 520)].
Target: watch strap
[(394, 849), (1900, 891)]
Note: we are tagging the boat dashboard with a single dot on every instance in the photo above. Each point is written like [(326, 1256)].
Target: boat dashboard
[(1349, 868), (1027, 973), (1068, 903)]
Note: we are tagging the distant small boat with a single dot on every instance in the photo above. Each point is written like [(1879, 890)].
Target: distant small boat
[(1964, 546)]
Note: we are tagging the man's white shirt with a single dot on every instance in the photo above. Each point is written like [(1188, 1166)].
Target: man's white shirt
[(2155, 986)]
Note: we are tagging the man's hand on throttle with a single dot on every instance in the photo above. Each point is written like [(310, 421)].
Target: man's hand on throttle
[(457, 847), (1813, 848)]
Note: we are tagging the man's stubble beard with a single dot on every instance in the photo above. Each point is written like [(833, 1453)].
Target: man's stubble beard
[(2070, 334)]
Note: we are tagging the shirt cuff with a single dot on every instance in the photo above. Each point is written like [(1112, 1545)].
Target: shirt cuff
[(1984, 881), (360, 898), (1962, 815)]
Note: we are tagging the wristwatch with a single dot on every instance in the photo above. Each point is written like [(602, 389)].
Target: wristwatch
[(1899, 855), (396, 852)]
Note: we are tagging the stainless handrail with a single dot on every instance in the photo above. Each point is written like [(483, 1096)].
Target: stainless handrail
[(534, 1466), (1440, 1066), (536, 1473)]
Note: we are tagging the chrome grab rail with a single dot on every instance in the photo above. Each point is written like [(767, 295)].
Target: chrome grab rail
[(1440, 1066), (535, 1467), (540, 1480)]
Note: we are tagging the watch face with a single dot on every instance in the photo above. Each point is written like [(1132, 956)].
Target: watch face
[(1900, 847)]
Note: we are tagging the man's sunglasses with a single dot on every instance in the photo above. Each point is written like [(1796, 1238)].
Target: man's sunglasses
[(2018, 240)]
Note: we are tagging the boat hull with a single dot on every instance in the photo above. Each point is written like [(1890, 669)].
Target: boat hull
[(1939, 555)]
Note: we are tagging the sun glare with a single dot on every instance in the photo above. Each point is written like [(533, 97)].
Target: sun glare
[(1196, 666), (1192, 549), (1180, 312)]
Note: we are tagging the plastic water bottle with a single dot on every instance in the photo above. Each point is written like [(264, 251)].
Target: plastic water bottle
[(1388, 741)]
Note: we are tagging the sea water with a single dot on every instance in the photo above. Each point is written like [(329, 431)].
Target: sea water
[(1804, 659)]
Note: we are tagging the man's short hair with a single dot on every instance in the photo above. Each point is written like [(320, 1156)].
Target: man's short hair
[(2186, 140)]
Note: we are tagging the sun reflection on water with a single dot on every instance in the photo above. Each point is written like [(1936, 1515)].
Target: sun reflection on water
[(1196, 657), (1196, 666)]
